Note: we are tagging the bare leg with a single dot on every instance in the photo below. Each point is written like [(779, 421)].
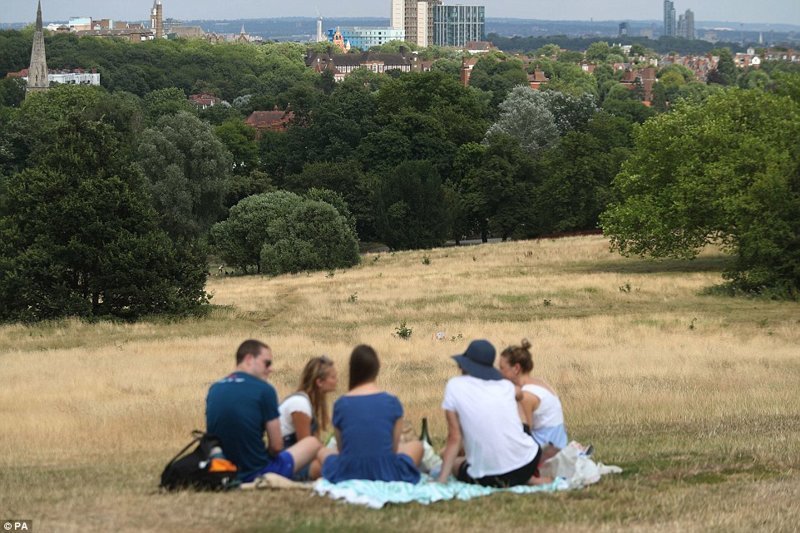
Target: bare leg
[(460, 460), (548, 452), (413, 449), (540, 480), (315, 472), (304, 452)]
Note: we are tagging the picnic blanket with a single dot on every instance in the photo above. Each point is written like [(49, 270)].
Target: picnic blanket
[(569, 467), (376, 494)]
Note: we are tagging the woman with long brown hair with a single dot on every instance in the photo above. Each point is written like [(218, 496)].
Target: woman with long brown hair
[(368, 423), (305, 411)]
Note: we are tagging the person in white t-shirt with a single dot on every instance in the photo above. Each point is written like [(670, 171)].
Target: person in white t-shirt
[(481, 411), (305, 412)]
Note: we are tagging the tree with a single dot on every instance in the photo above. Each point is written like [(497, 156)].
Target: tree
[(411, 208), (12, 92), (537, 118), (598, 51), (347, 179), (576, 176), (240, 140), (239, 239), (78, 236), (497, 189), (314, 236), (283, 232), (525, 116), (163, 102), (497, 74), (725, 73), (337, 201), (726, 171), (189, 172)]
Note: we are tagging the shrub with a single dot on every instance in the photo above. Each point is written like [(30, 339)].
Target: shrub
[(282, 232)]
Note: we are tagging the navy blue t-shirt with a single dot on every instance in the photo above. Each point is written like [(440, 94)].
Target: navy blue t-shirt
[(237, 410)]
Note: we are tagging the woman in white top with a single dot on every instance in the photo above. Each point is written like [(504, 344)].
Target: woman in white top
[(305, 412), (539, 408), (481, 412)]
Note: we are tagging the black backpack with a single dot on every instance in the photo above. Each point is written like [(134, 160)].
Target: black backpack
[(203, 469)]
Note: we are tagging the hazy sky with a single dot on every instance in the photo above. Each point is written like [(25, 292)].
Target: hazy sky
[(779, 11)]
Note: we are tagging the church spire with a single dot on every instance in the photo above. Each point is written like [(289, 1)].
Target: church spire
[(37, 72)]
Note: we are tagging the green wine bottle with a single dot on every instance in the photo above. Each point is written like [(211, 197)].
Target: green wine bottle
[(424, 436)]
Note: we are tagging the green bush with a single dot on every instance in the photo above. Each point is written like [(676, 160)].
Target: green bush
[(282, 232)]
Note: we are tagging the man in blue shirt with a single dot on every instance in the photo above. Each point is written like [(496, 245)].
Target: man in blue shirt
[(241, 406)]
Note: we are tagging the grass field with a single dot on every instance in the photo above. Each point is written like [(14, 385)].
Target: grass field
[(695, 396)]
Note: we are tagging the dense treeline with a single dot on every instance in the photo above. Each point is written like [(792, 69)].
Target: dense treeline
[(146, 185), (662, 45)]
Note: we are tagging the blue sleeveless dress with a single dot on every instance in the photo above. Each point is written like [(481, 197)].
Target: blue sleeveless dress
[(366, 424)]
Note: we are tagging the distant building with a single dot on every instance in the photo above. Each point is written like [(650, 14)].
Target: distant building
[(644, 78), (342, 65), (669, 18), (64, 77), (479, 47), (710, 36), (689, 31), (245, 37), (204, 100), (37, 78), (185, 32), (415, 18), (134, 35), (788, 55), (467, 65), (79, 23), (623, 29), (456, 25), (685, 27), (274, 120), (339, 41), (320, 37), (103, 24), (365, 38), (157, 19), (537, 79)]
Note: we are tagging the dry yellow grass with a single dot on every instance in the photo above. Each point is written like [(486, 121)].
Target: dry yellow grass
[(695, 396)]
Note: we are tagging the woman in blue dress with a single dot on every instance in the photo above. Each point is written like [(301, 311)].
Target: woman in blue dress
[(368, 423)]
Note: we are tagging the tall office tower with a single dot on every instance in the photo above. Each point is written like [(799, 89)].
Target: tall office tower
[(320, 37), (432, 18), (681, 27), (157, 19), (623, 29), (398, 15), (37, 72), (422, 25), (410, 20), (669, 18), (457, 25), (689, 17)]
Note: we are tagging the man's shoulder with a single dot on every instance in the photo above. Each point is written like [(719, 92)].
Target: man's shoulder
[(244, 381), (460, 383)]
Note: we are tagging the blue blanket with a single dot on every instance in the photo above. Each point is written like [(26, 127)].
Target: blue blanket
[(376, 494)]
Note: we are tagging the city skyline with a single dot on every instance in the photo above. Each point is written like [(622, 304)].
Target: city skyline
[(767, 11)]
